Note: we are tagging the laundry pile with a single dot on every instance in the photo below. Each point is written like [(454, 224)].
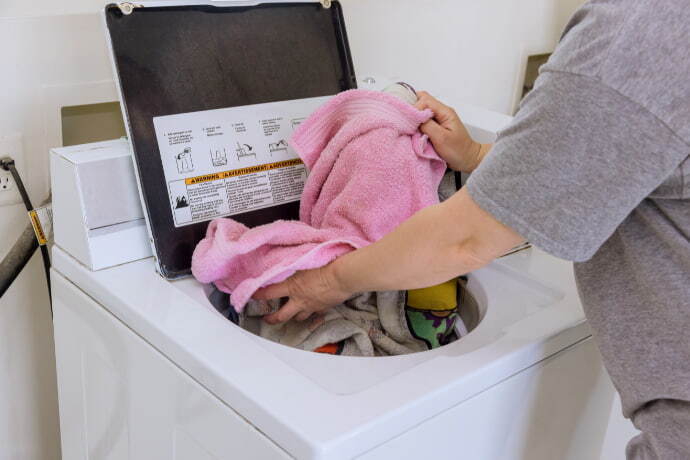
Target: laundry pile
[(370, 170), (370, 324)]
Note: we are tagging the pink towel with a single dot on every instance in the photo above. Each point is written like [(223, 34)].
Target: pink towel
[(370, 170)]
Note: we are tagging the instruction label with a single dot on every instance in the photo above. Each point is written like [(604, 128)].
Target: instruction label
[(225, 162)]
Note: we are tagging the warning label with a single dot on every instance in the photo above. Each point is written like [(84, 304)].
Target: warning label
[(237, 192), (242, 172), (232, 161)]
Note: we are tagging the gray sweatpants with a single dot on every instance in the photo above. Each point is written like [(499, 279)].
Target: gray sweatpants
[(665, 426)]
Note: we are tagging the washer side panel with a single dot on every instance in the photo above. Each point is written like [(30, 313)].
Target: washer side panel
[(121, 399)]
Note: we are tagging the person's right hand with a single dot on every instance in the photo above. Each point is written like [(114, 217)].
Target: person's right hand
[(310, 291), (449, 135)]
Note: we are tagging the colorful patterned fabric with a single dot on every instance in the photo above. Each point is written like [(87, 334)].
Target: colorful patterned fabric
[(432, 314), (331, 349), (436, 329)]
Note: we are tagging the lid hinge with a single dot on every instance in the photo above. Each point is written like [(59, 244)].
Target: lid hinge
[(127, 8), (326, 3)]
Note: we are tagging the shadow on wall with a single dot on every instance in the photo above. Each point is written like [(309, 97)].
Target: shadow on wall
[(84, 124), (534, 63)]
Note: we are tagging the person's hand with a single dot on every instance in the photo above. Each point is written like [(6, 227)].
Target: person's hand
[(449, 135), (310, 292)]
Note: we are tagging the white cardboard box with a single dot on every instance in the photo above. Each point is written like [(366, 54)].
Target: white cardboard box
[(97, 213)]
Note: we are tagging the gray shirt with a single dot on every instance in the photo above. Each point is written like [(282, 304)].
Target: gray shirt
[(595, 169)]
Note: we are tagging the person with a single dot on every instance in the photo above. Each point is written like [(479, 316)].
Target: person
[(593, 169)]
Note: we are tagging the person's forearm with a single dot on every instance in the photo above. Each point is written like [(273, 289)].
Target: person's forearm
[(437, 244)]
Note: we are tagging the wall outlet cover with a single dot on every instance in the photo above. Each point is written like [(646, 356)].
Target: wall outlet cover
[(11, 145), (6, 182)]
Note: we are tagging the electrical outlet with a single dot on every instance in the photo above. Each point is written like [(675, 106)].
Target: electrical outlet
[(11, 146), (6, 182)]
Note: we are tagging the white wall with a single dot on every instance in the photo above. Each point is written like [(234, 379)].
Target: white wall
[(54, 54), (463, 51), (38, 52)]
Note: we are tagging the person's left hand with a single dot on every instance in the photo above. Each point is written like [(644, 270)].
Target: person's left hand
[(310, 292)]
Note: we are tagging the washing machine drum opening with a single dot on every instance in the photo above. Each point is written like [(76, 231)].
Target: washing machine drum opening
[(371, 324)]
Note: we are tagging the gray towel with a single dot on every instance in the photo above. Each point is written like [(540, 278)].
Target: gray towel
[(371, 324)]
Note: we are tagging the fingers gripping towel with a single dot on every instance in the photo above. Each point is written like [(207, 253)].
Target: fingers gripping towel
[(370, 170)]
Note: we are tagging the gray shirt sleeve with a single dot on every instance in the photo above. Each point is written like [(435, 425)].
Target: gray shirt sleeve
[(577, 160)]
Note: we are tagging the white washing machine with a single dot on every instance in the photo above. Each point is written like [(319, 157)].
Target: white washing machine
[(148, 369)]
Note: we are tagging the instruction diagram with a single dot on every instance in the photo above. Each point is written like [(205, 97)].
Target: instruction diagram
[(296, 122), (244, 151), (185, 163), (280, 146), (219, 157), (250, 164)]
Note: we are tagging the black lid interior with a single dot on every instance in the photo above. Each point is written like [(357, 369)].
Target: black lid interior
[(182, 59)]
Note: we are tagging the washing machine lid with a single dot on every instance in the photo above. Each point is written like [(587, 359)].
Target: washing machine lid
[(179, 57)]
